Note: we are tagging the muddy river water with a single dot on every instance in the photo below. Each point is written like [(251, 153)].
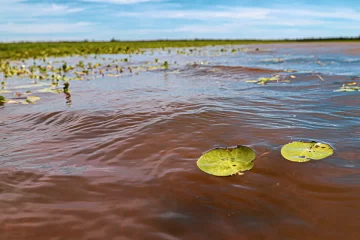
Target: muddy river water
[(116, 158)]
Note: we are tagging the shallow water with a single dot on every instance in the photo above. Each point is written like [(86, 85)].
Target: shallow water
[(116, 159)]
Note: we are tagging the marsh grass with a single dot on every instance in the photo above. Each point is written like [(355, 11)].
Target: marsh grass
[(42, 50)]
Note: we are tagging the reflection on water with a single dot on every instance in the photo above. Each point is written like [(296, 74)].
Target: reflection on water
[(116, 159)]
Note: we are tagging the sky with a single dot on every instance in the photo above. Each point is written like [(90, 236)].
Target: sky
[(54, 20)]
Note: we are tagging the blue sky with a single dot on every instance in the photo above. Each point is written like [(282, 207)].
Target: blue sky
[(36, 20)]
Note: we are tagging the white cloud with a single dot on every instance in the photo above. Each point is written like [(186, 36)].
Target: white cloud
[(254, 13), (246, 13), (57, 10), (21, 9), (38, 28)]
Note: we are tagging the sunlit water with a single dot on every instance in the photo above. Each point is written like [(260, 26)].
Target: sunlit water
[(116, 159)]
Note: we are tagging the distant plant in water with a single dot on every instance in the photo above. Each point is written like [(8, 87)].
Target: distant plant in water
[(66, 87), (166, 65), (65, 67), (2, 99), (81, 64)]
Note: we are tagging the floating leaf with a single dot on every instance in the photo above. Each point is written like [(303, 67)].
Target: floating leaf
[(2, 99), (264, 80), (306, 151), (227, 161), (5, 91), (32, 99), (347, 89), (50, 90)]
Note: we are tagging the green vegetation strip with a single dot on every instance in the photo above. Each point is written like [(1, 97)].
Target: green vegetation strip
[(25, 50)]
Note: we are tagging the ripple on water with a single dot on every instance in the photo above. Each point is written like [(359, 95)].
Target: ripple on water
[(120, 161)]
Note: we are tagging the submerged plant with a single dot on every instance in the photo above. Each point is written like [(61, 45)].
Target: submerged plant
[(306, 151), (227, 161)]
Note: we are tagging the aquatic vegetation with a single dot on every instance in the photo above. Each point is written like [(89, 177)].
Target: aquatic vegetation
[(345, 88), (5, 91), (28, 100), (166, 65), (50, 90), (32, 99), (66, 87), (306, 151), (265, 80), (2, 99), (227, 161), (42, 50)]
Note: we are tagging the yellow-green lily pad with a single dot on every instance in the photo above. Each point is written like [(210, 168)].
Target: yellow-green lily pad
[(32, 99), (50, 90), (5, 91), (306, 151), (227, 161)]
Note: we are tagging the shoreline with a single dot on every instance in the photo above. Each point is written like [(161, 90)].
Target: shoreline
[(27, 50)]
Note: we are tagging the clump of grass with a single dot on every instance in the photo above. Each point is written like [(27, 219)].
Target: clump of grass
[(66, 87)]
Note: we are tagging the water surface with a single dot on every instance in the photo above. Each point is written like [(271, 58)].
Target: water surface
[(116, 159)]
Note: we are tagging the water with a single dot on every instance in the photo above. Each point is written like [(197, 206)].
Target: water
[(116, 159)]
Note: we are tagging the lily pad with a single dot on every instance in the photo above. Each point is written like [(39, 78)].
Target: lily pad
[(306, 151), (32, 99), (5, 91), (50, 90), (227, 161)]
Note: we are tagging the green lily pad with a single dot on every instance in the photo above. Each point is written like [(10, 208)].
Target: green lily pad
[(306, 151), (227, 161), (2, 99)]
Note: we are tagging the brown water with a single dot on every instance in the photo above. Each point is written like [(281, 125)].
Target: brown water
[(117, 158)]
